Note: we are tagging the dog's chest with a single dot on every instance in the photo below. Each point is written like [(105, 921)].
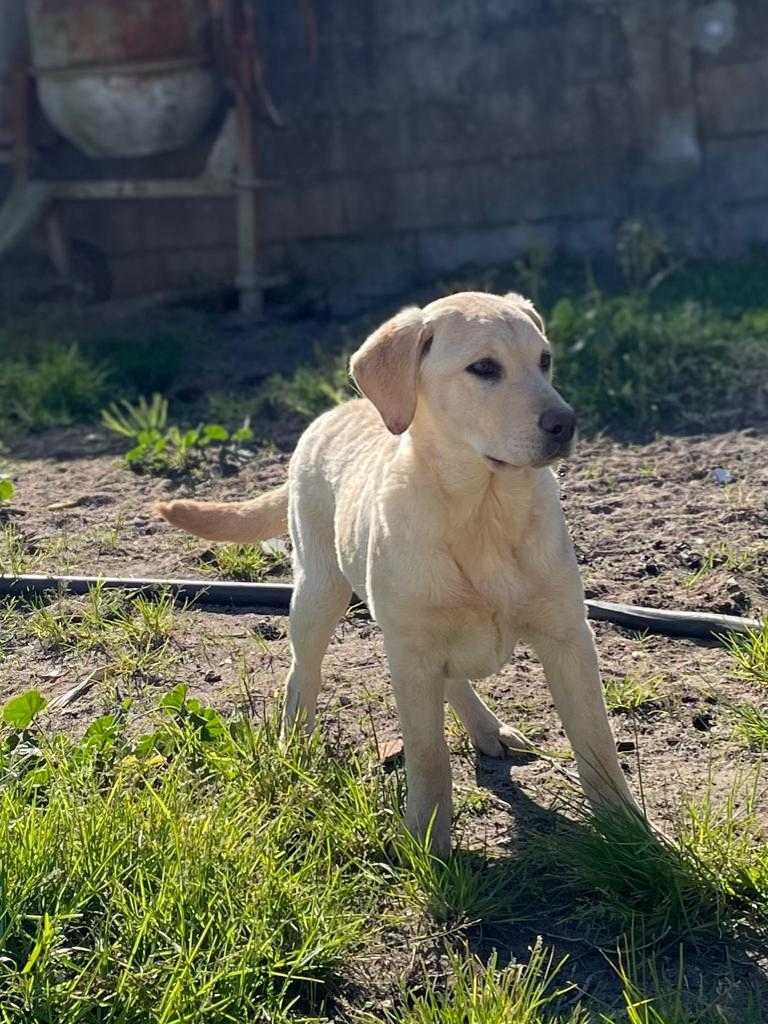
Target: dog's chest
[(476, 645), (497, 592)]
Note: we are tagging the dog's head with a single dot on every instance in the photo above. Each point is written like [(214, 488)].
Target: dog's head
[(476, 367)]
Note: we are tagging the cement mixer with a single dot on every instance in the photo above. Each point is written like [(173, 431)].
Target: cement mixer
[(124, 79), (134, 79)]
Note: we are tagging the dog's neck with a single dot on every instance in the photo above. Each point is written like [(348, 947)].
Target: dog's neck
[(472, 490)]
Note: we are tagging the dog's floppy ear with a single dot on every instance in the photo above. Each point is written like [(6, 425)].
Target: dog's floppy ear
[(386, 367), (528, 308)]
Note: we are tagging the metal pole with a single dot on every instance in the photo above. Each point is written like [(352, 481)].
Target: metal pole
[(248, 277)]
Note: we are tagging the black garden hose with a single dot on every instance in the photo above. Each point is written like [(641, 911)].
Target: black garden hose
[(275, 599)]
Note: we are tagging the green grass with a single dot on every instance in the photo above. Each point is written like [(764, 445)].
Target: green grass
[(311, 389), (130, 634), (708, 879), (14, 557), (482, 994), (52, 387), (626, 365), (632, 693), (750, 654), (630, 359), (750, 725), (243, 562), (610, 873), (58, 552), (531, 992), (56, 370), (199, 873), (184, 878), (729, 558), (634, 355)]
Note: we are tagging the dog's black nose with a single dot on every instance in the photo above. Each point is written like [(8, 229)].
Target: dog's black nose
[(560, 423)]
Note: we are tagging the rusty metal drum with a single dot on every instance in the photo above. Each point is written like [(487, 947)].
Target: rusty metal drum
[(124, 78)]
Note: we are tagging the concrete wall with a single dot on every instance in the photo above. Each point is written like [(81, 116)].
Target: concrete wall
[(438, 133)]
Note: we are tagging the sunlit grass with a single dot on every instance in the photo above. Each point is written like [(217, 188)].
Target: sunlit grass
[(14, 558), (196, 882), (750, 725), (535, 992), (131, 634), (709, 876), (202, 872), (57, 553), (482, 994), (729, 558), (750, 654), (247, 562), (633, 692)]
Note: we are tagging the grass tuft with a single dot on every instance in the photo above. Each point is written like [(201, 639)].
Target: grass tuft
[(55, 386), (14, 557), (132, 632), (633, 693), (750, 725), (708, 879), (728, 558), (481, 994), (311, 390), (626, 363), (750, 653), (250, 563), (203, 872)]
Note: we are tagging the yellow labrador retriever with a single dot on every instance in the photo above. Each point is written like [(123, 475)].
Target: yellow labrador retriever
[(433, 499)]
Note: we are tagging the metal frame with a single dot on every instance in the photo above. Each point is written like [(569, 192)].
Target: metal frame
[(238, 59)]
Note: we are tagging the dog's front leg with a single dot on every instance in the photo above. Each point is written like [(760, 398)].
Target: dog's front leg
[(420, 703), (570, 665)]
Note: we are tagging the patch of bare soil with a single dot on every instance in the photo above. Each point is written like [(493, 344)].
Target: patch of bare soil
[(651, 526)]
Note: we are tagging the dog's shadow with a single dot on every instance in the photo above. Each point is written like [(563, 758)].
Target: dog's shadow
[(515, 899)]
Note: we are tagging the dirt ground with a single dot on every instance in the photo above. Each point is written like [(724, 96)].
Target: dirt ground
[(644, 519)]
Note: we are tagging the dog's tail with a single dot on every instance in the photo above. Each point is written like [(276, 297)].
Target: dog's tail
[(242, 522)]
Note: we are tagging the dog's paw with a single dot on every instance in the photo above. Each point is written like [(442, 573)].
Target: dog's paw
[(502, 742)]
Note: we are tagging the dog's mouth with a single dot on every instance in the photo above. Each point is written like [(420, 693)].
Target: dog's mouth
[(555, 454), (495, 464), (547, 459)]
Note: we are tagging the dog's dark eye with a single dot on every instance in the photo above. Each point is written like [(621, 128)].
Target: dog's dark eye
[(546, 360), (486, 369)]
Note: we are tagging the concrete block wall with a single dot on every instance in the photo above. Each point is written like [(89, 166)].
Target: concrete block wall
[(439, 133)]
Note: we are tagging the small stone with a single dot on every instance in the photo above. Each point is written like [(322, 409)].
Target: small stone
[(721, 476), (704, 722), (625, 746)]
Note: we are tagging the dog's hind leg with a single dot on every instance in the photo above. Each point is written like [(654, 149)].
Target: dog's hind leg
[(321, 596), (315, 609), (318, 604), (487, 732)]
